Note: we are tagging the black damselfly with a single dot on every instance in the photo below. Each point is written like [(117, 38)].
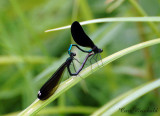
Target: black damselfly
[(52, 84), (81, 38)]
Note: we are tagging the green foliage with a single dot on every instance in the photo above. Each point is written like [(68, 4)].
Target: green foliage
[(28, 55)]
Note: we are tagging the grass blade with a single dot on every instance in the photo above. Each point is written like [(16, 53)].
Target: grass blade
[(37, 105), (102, 20), (108, 110)]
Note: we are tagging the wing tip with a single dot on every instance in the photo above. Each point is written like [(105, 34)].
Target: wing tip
[(75, 24)]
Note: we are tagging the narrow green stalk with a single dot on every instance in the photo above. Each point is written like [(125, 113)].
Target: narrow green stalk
[(143, 13), (138, 7), (147, 55), (86, 12), (104, 108), (68, 110), (75, 10), (126, 98), (37, 105), (114, 5), (22, 59), (61, 101), (65, 110), (118, 19)]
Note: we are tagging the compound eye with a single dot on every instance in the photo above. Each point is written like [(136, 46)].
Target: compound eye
[(74, 54), (100, 50)]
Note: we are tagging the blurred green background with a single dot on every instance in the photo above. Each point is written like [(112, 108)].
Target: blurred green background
[(28, 56)]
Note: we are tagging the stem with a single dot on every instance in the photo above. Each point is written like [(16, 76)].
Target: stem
[(126, 98), (37, 105), (64, 110), (147, 55), (21, 59), (143, 13), (68, 110), (118, 19)]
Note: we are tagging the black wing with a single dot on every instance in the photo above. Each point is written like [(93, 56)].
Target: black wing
[(80, 36), (52, 84)]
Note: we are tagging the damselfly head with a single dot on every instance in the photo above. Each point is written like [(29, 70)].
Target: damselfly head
[(100, 50), (95, 49), (73, 54)]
